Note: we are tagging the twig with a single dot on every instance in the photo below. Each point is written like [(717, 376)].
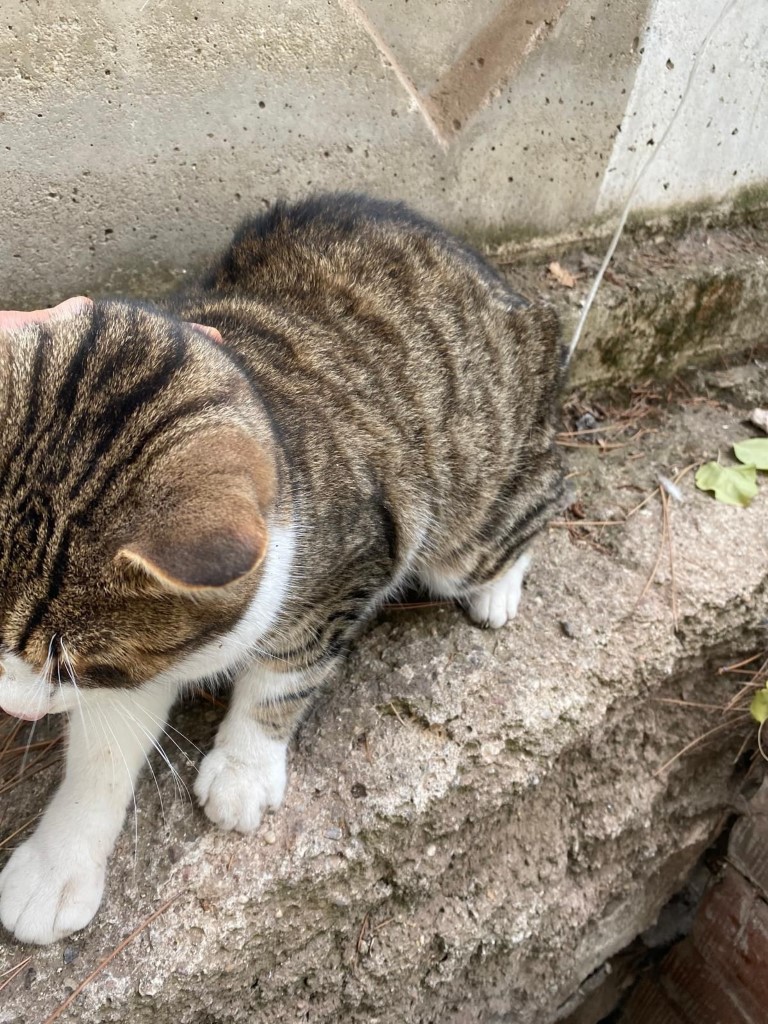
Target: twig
[(641, 504), (742, 748), (587, 522), (13, 972), (671, 550), (108, 959), (694, 704), (753, 684), (4, 842), (738, 664), (37, 745), (741, 664), (13, 732), (725, 10), (760, 740), (686, 748), (408, 605), (396, 713), (601, 445), (6, 787), (657, 563), (652, 494), (361, 934)]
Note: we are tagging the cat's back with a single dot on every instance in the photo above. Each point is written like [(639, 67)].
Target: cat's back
[(309, 251), (408, 383), (358, 307)]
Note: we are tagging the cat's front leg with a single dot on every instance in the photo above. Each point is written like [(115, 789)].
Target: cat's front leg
[(53, 883), (245, 773)]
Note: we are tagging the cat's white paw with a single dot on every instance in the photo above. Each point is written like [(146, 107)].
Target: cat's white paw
[(49, 889), (235, 787), (494, 604)]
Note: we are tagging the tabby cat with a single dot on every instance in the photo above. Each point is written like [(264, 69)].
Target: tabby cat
[(349, 401)]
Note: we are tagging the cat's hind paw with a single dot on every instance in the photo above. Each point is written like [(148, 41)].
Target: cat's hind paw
[(49, 890), (494, 604), (235, 787)]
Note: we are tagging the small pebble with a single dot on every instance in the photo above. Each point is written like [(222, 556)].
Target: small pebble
[(175, 853), (431, 850), (567, 629), (358, 790), (586, 422), (332, 833), (270, 838), (70, 953)]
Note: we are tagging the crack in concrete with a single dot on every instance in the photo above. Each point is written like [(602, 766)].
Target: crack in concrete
[(422, 103), (492, 55)]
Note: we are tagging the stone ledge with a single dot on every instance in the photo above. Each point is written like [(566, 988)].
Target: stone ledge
[(678, 292), (475, 821)]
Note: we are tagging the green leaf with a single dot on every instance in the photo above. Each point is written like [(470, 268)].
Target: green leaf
[(759, 706), (753, 452), (734, 485)]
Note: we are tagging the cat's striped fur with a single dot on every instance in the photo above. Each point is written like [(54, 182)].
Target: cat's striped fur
[(380, 411), (413, 396)]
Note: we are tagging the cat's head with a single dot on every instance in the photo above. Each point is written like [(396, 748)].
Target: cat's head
[(136, 483)]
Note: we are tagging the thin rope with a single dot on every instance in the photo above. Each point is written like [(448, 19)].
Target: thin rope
[(641, 174)]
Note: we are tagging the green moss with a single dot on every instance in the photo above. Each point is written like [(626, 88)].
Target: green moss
[(752, 197)]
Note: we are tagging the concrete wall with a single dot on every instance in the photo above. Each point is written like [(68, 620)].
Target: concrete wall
[(134, 134)]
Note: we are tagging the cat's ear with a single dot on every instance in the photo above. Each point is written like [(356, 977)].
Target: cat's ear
[(11, 319), (200, 555), (204, 526)]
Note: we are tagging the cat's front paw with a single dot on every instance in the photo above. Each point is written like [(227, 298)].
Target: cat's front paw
[(235, 787), (49, 889)]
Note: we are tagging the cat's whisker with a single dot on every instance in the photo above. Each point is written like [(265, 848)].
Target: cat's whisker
[(164, 727), (119, 748), (82, 705), (181, 786), (148, 763), (25, 755), (42, 683), (255, 648)]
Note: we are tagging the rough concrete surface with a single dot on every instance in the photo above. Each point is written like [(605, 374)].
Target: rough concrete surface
[(475, 820)]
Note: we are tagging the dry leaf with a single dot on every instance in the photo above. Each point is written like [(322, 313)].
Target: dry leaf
[(561, 275)]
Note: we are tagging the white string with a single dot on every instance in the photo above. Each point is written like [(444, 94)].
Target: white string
[(641, 174)]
